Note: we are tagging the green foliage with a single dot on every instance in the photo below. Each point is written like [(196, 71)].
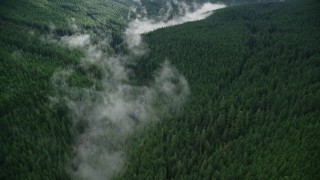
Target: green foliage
[(101, 14), (254, 112), (36, 135), (254, 77), (35, 138)]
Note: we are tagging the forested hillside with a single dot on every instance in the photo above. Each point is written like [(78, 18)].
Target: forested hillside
[(253, 113), (253, 72), (36, 137)]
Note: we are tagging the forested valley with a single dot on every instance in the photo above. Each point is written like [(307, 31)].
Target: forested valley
[(253, 71)]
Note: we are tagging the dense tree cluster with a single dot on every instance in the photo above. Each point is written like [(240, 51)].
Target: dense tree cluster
[(35, 138), (253, 71), (43, 15), (253, 112), (36, 135)]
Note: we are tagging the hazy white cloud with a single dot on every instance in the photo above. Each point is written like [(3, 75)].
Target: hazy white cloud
[(168, 9), (111, 113), (76, 41), (52, 28), (72, 24)]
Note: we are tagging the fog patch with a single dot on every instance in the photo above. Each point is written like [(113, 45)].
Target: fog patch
[(106, 116), (106, 112), (72, 24), (75, 41), (140, 26)]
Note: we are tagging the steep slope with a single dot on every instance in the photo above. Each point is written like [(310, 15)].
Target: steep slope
[(36, 137), (254, 113)]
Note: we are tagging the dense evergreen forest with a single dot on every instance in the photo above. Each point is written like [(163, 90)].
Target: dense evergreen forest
[(253, 113), (253, 71), (36, 137)]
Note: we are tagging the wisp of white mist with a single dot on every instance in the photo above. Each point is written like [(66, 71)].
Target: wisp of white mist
[(114, 111), (145, 25)]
